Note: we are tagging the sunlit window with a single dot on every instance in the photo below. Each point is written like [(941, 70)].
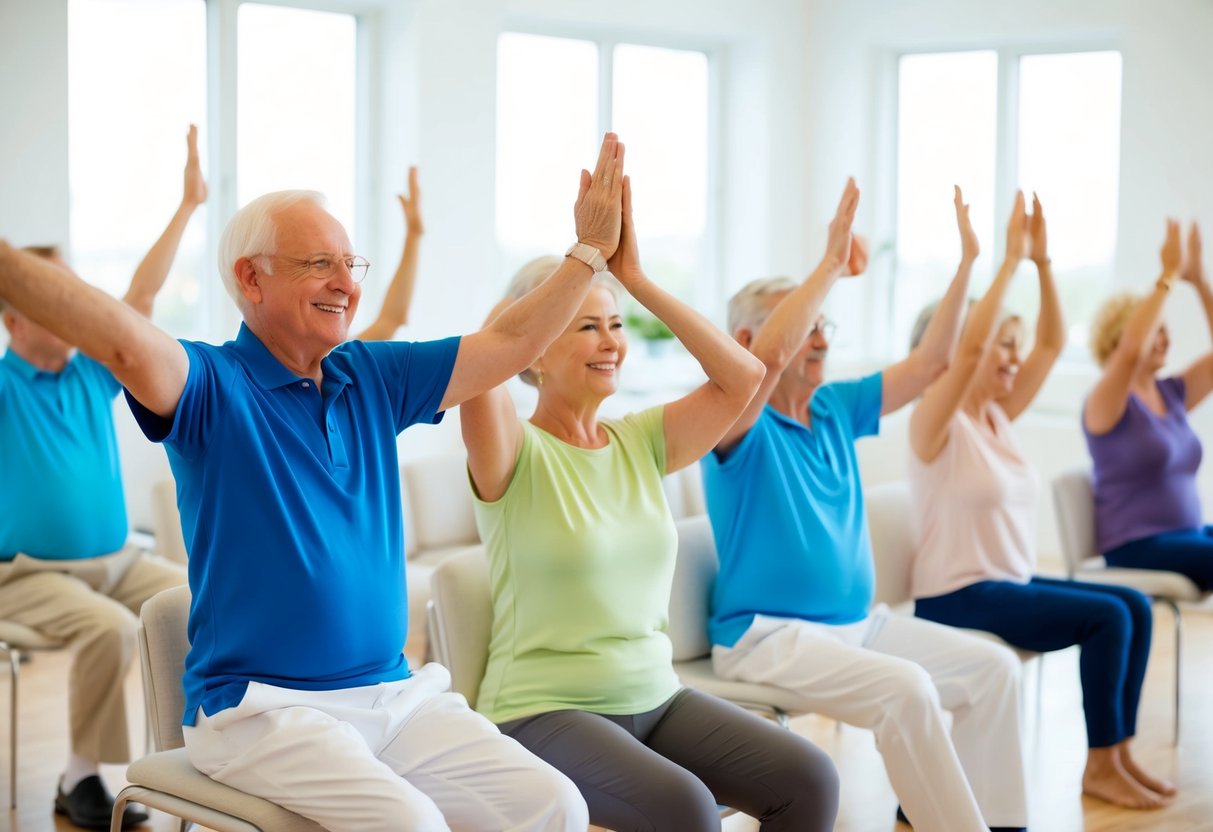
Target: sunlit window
[(297, 101), (550, 118), (131, 98), (1069, 152), (947, 129)]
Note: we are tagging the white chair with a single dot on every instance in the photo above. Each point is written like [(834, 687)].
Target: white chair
[(1074, 503), (461, 618), (166, 522), (893, 532), (16, 639), (166, 780)]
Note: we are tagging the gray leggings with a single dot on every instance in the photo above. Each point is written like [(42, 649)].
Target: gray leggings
[(666, 769)]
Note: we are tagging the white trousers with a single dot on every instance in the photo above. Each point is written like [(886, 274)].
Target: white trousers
[(402, 755), (894, 674)]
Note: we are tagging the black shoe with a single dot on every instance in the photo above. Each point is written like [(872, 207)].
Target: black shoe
[(90, 806)]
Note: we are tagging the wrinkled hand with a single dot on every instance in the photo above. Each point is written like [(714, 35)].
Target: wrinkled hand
[(410, 201), (194, 192), (1017, 230), (1193, 269), (838, 238), (1038, 233), (1171, 252), (625, 262), (970, 247), (599, 207)]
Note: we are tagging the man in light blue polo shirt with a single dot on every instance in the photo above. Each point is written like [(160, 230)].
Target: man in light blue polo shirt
[(64, 571), (790, 606), (283, 444)]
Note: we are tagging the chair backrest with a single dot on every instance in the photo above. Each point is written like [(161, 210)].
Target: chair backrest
[(166, 521), (163, 643), (1074, 504), (894, 534), (690, 599), (461, 619), (440, 502)]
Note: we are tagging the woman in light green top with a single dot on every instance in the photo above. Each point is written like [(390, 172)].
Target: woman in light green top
[(582, 546)]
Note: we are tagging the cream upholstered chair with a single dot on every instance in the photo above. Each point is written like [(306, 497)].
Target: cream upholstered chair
[(165, 779), (1074, 503), (16, 639), (461, 619), (166, 522), (893, 531)]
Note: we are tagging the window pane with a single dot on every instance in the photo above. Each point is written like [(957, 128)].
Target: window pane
[(296, 106), (126, 157), (946, 134), (660, 109), (1069, 153), (547, 131)]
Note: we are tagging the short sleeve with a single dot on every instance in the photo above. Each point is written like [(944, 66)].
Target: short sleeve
[(648, 428), (189, 430), (859, 401), (416, 375), (1175, 393)]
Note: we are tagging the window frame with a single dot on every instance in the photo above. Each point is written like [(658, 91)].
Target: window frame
[(708, 290)]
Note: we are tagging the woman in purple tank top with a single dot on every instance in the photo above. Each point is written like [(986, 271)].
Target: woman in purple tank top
[(1144, 451)]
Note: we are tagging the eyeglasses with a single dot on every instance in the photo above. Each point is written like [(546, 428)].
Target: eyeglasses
[(323, 268), (825, 328)]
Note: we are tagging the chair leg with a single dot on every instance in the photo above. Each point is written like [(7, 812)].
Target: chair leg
[(1178, 658), (14, 662)]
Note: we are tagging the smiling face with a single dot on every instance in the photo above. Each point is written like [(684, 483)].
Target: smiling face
[(290, 308), (1157, 358), (584, 361), (1000, 366), (806, 371)]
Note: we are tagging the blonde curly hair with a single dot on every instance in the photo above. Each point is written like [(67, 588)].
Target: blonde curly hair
[(1109, 324)]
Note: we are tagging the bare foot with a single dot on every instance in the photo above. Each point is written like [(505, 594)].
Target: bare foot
[(1107, 780), (1154, 784)]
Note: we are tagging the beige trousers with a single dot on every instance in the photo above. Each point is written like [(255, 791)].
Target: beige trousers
[(92, 605)]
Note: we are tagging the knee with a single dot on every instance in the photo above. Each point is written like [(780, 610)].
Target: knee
[(111, 626), (561, 803), (1002, 666), (1115, 618), (811, 779), (911, 689), (680, 800)]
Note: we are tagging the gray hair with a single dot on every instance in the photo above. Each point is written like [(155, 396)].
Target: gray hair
[(928, 312), (750, 307), (252, 231), (534, 272)]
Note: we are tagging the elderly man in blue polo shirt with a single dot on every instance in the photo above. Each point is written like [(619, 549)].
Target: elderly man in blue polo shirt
[(283, 444), (791, 604), (64, 571)]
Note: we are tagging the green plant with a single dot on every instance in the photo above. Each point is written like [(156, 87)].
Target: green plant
[(647, 326)]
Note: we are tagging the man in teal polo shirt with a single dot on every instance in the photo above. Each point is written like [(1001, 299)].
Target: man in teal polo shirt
[(283, 444), (64, 568), (791, 605)]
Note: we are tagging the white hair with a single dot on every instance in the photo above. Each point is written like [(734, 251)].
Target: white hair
[(534, 272), (749, 308), (252, 232)]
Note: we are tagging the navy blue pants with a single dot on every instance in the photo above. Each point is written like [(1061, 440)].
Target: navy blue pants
[(1188, 552), (1111, 624)]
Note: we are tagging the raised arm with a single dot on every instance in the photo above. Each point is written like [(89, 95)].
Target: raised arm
[(146, 360), (941, 400), (787, 327), (395, 310), (520, 334), (694, 423), (1198, 378), (153, 270), (904, 381), (1110, 396), (1050, 325)]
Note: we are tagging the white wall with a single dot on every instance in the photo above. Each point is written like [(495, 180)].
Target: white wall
[(801, 111)]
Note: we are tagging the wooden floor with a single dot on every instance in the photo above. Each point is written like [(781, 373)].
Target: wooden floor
[(1055, 748)]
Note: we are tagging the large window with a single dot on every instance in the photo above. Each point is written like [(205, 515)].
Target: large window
[(287, 100), (126, 157), (993, 121), (555, 98)]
